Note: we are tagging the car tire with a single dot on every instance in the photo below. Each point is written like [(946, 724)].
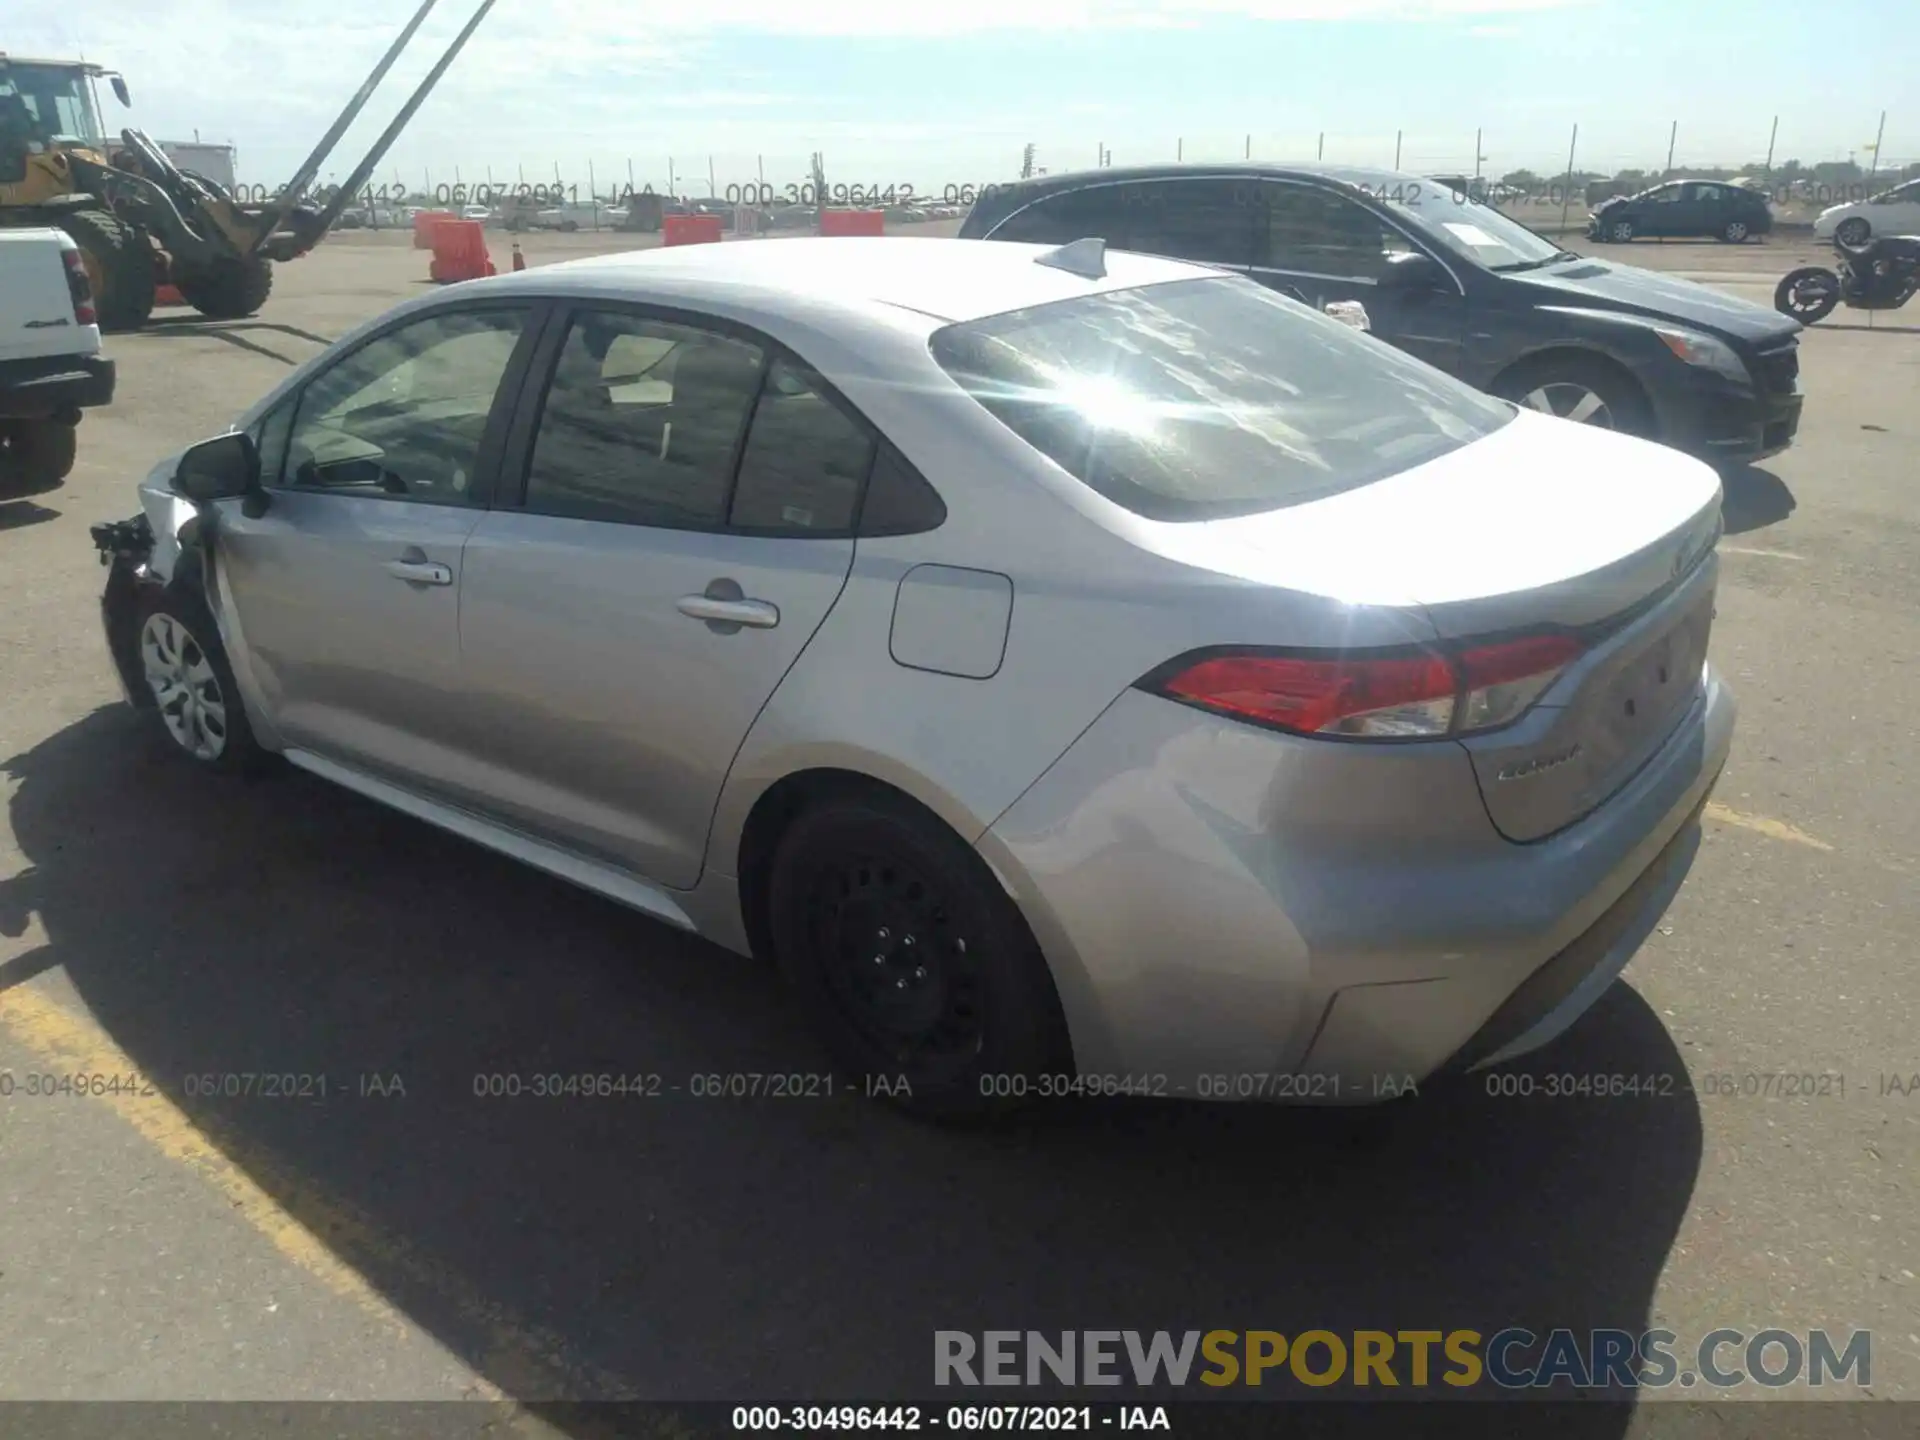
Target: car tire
[(119, 263), (1853, 231), (35, 455), (1735, 233), (1620, 232), (191, 696), (910, 961), (1568, 386)]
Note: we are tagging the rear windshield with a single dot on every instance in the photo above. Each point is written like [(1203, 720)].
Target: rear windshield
[(1209, 398)]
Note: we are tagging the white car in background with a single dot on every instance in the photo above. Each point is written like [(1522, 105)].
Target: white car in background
[(1891, 212)]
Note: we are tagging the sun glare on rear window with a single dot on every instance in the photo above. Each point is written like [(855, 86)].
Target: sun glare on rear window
[(1209, 398)]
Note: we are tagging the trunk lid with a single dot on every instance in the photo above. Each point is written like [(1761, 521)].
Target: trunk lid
[(1544, 525)]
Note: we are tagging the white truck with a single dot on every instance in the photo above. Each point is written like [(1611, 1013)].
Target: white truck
[(51, 368)]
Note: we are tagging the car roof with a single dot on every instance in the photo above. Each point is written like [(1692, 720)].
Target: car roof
[(947, 279)]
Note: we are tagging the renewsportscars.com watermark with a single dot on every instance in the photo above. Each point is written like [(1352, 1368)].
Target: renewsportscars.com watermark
[(1510, 1359)]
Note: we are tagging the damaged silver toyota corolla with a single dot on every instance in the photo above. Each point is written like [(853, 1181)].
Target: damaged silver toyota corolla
[(1062, 663)]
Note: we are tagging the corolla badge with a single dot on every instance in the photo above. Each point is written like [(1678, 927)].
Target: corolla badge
[(1521, 769)]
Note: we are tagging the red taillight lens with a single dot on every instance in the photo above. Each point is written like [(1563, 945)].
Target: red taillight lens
[(80, 288), (1397, 696)]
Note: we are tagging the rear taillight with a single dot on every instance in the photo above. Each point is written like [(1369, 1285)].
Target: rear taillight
[(80, 288), (1401, 695)]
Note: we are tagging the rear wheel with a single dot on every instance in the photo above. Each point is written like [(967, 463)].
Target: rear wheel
[(916, 970), (1735, 233), (1590, 392), (1853, 231), (225, 289), (35, 455), (119, 263)]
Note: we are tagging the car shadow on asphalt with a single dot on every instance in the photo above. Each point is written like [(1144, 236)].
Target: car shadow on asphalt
[(684, 1248), (17, 511), (1753, 499)]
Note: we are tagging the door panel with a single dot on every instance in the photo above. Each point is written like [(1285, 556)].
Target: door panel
[(354, 660), (687, 524), (605, 715), (347, 586), (1320, 247)]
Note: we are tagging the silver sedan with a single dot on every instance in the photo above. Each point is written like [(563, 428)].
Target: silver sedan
[(1079, 672)]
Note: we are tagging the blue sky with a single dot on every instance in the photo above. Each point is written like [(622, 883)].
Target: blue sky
[(944, 95)]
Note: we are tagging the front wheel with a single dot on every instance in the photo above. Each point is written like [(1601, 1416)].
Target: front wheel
[(918, 973), (1620, 231), (1808, 295), (1589, 392), (196, 704), (227, 288), (1853, 232)]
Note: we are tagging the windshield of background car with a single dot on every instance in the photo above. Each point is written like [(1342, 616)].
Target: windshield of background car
[(1209, 398), (1462, 223)]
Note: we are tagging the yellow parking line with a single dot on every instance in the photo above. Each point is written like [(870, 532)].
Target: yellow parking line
[(294, 1214), (1761, 825)]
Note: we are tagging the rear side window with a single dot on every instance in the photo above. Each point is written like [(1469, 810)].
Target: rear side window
[(1209, 222), (1073, 215), (642, 422), (805, 460), (1208, 398)]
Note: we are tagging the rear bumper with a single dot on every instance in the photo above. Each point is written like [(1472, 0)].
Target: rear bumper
[(54, 387), (1223, 905)]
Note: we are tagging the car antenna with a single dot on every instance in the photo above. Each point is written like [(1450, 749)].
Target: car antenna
[(1085, 258)]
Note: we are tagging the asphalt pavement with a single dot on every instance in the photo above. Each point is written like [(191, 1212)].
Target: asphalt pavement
[(369, 1224)]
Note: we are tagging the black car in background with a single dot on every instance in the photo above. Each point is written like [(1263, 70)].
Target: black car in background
[(1708, 209), (1454, 282)]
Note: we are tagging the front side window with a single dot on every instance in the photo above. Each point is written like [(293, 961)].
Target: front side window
[(404, 415), (1317, 232), (642, 422), (1209, 398)]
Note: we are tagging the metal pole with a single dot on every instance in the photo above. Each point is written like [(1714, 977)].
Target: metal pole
[(629, 179), (1672, 136), (673, 185), (593, 193), (1321, 152), (1566, 195), (1249, 147), (1879, 135), (1179, 150), (1772, 136), (1396, 149), (713, 190), (1477, 156)]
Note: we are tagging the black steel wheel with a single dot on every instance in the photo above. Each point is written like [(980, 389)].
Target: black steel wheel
[(918, 973)]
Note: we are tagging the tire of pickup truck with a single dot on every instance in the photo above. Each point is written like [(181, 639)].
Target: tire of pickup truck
[(119, 261), (226, 289), (35, 455)]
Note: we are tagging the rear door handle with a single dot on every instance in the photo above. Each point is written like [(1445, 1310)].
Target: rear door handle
[(760, 614), (420, 572)]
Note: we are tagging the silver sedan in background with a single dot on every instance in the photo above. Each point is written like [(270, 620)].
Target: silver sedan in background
[(1076, 670)]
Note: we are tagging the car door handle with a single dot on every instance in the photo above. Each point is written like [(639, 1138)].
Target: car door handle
[(760, 614), (420, 572)]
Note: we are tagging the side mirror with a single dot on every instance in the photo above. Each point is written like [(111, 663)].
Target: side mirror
[(1411, 270), (223, 468), (120, 91)]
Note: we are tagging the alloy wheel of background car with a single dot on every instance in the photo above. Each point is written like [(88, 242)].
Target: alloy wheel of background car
[(1620, 232), (1570, 400), (1853, 231), (188, 695), (910, 960), (1735, 232)]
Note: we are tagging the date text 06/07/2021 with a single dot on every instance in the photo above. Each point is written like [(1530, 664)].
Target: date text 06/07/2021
[(908, 1419)]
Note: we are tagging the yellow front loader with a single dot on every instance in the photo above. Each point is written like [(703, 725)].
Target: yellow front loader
[(142, 222)]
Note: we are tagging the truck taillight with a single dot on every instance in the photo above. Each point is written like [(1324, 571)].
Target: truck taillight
[(1402, 695), (80, 288)]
